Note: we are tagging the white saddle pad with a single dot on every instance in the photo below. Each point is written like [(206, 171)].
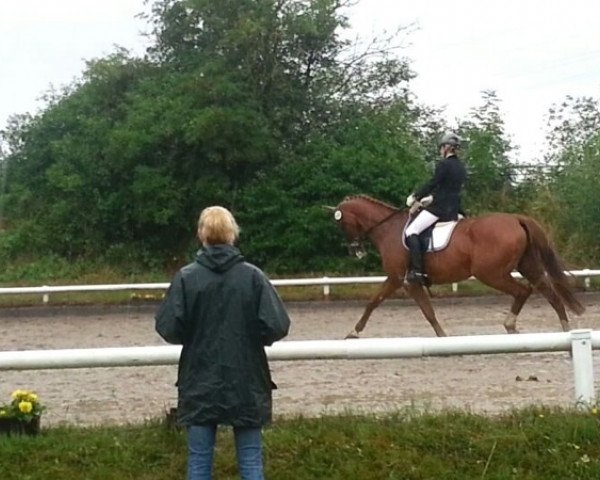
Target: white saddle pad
[(440, 236)]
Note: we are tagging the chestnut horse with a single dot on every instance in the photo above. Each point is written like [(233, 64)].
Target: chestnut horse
[(488, 248)]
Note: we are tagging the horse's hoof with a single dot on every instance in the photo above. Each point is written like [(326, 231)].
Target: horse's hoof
[(352, 334)]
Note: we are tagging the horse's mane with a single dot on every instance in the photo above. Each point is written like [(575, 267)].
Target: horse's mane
[(372, 200)]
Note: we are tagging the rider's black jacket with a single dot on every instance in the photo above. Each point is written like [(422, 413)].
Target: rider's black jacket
[(445, 186)]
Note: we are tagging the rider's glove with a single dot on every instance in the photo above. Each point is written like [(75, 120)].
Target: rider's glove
[(426, 201), (410, 200), (415, 208)]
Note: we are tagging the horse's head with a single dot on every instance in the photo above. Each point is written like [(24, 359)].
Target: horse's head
[(346, 216), (358, 216)]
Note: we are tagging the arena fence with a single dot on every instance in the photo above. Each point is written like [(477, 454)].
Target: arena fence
[(326, 282), (579, 342)]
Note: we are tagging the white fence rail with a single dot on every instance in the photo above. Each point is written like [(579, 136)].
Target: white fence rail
[(326, 282), (579, 342)]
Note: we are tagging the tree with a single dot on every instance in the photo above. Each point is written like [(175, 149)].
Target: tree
[(574, 156), (236, 100), (486, 154), (573, 128), (375, 152)]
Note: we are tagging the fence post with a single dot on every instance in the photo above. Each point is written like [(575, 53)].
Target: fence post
[(454, 287), (583, 366), (46, 296), (586, 281), (326, 289)]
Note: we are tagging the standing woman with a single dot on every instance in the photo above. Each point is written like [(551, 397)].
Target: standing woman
[(223, 311)]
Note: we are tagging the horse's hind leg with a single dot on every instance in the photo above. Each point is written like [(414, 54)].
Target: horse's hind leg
[(389, 286), (417, 292), (547, 291), (534, 272), (515, 289)]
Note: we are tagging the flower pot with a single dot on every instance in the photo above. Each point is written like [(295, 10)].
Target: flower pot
[(14, 426)]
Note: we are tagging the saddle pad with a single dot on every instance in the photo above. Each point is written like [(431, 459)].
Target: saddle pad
[(439, 238)]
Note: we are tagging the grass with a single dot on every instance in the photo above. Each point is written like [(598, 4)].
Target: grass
[(535, 443), (64, 277), (289, 293), (83, 298), (56, 271)]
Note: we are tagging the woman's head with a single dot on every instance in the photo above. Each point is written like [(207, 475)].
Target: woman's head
[(449, 144), (216, 225)]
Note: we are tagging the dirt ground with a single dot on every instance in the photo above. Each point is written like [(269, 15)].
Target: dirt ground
[(480, 383)]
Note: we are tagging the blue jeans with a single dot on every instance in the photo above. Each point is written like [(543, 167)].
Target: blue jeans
[(201, 447)]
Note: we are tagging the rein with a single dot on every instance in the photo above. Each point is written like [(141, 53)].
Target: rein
[(381, 222), (358, 240)]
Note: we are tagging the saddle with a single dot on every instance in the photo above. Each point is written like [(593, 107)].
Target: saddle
[(435, 238)]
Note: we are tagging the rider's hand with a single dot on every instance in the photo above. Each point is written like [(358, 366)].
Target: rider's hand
[(426, 201), (410, 200), (415, 207)]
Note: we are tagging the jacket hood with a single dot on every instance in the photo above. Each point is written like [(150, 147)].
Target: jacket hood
[(219, 258)]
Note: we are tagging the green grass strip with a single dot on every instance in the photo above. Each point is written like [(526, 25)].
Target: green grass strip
[(535, 443)]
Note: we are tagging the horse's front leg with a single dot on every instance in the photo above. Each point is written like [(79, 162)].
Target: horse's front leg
[(389, 286), (417, 292)]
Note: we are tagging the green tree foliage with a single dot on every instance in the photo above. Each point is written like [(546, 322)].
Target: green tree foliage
[(287, 56), (373, 153), (253, 104), (257, 105), (574, 127), (487, 157), (65, 173), (574, 156)]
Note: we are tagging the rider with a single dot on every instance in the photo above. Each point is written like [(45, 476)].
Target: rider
[(445, 186)]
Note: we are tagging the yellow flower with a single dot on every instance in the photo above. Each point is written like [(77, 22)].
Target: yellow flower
[(18, 394), (32, 397), (3, 413), (594, 411), (25, 407)]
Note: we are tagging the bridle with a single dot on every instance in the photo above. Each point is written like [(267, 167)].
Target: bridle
[(356, 244)]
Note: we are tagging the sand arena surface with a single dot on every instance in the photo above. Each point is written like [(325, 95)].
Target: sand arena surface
[(489, 383)]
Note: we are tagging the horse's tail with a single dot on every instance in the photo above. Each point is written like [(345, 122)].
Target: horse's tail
[(540, 244)]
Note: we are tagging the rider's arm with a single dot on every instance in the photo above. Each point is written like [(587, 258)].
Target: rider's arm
[(438, 175)]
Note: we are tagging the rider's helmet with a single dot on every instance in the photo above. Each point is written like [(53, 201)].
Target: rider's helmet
[(451, 139)]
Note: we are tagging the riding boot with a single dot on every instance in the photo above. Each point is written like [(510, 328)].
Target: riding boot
[(415, 272)]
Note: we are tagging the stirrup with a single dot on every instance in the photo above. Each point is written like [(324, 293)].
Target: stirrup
[(417, 277)]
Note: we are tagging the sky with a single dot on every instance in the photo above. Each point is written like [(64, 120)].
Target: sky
[(531, 52)]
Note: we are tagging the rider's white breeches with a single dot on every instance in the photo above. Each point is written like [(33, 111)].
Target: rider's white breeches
[(423, 220)]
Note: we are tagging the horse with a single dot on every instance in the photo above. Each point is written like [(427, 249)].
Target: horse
[(488, 247)]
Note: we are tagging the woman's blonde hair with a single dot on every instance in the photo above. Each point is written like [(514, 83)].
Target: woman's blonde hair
[(216, 225)]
